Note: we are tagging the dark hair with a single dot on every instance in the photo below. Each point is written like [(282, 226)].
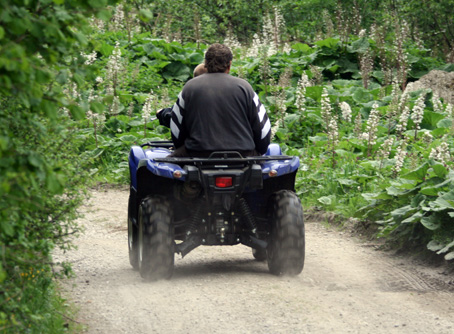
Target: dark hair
[(217, 58)]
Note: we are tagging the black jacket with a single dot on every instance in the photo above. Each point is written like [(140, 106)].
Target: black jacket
[(217, 111), (164, 117)]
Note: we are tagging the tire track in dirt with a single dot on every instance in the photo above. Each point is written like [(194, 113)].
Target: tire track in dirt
[(398, 279)]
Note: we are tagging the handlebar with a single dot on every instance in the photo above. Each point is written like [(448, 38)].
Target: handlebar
[(159, 143)]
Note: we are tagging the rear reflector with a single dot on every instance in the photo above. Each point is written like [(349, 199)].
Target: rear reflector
[(224, 182)]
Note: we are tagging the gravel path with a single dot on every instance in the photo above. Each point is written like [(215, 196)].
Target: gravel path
[(346, 286)]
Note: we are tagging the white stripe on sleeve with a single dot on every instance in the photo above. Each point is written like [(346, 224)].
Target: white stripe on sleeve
[(176, 111), (262, 112), (174, 129), (180, 99), (256, 99), (266, 128)]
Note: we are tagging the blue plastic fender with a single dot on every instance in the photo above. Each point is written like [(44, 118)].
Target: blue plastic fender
[(165, 169), (273, 149), (139, 157), (282, 167), (135, 155)]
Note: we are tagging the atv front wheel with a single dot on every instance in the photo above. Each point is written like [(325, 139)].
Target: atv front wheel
[(132, 237), (156, 250), (287, 240)]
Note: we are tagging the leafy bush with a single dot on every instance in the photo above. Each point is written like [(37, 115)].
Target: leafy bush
[(40, 178)]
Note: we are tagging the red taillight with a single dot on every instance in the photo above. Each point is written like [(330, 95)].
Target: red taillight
[(224, 182)]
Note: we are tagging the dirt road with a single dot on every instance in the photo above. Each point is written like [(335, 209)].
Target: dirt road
[(346, 286)]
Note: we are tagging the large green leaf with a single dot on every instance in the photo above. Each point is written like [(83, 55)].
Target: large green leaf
[(347, 66), (433, 190), (440, 170), (304, 48), (362, 96), (418, 174), (325, 200), (393, 191), (434, 245), (314, 92), (413, 218), (444, 202), (430, 191), (347, 182), (154, 51), (176, 71), (97, 107), (418, 200), (359, 46), (329, 43), (449, 256), (145, 15), (402, 212), (446, 248), (106, 49), (128, 138), (445, 123), (431, 119), (196, 58), (98, 3), (431, 222)]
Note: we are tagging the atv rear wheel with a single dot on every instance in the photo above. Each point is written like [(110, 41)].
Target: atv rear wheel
[(156, 249), (132, 237), (286, 248)]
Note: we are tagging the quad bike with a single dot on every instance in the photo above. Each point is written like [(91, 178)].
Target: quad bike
[(178, 204)]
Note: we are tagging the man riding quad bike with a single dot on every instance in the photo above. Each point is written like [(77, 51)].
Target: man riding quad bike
[(222, 185)]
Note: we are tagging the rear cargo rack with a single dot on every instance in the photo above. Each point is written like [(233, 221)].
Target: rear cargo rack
[(221, 161)]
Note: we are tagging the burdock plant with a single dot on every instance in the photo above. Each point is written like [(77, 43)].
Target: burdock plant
[(393, 107), (441, 153), (280, 97), (114, 66), (400, 157), (333, 138), (449, 110), (98, 122), (418, 113), (402, 62), (330, 120), (300, 102), (327, 109), (371, 129), (385, 150), (146, 112), (436, 102), (366, 65), (358, 125), (265, 69), (346, 111), (403, 120)]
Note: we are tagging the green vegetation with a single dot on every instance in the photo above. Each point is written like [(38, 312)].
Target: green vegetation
[(79, 81), (41, 175)]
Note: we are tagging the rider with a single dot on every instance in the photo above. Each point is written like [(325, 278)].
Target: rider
[(219, 112)]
